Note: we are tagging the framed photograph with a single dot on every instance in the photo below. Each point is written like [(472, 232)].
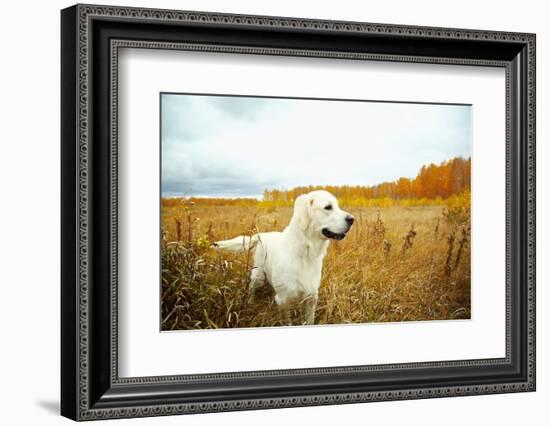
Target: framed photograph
[(263, 212)]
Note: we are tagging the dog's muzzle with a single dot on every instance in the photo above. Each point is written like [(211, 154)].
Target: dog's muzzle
[(338, 236), (333, 235)]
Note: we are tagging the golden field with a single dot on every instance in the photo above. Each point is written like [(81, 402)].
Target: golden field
[(399, 263)]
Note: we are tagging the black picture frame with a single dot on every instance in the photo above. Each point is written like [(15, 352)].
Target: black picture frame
[(90, 386)]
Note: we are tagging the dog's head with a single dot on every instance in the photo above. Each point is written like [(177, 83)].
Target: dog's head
[(318, 213)]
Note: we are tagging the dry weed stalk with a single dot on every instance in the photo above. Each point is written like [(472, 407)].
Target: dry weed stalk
[(387, 248), (377, 231), (191, 221), (448, 262), (436, 230), (210, 233), (408, 240), (253, 229), (189, 228), (464, 239), (178, 228), (360, 225)]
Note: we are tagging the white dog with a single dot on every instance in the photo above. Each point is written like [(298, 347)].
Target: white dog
[(291, 261)]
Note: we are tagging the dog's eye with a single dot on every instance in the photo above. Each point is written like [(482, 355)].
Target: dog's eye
[(329, 207)]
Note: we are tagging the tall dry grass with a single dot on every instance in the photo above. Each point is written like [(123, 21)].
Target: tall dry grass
[(396, 264)]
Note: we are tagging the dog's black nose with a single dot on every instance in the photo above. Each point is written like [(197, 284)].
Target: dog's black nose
[(350, 219)]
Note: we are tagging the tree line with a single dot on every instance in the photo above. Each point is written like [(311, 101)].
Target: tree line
[(434, 184), (434, 181)]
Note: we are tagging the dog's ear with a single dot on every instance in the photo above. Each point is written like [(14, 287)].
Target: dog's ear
[(303, 210)]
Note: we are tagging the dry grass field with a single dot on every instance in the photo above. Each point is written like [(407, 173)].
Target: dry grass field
[(396, 264)]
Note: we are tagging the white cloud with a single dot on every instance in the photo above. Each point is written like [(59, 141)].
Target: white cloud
[(215, 146)]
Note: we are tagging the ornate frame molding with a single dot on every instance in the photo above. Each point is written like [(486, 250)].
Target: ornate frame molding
[(88, 408)]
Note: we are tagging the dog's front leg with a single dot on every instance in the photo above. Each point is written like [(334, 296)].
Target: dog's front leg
[(284, 308), (311, 305), (257, 280)]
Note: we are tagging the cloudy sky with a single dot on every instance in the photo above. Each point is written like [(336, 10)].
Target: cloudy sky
[(221, 146)]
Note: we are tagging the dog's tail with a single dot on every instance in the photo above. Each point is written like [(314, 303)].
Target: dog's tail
[(240, 243)]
